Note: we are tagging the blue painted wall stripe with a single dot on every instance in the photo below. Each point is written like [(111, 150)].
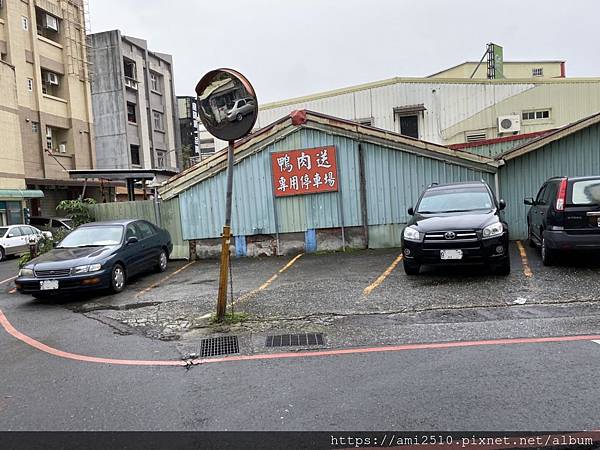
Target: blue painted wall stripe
[(310, 241)]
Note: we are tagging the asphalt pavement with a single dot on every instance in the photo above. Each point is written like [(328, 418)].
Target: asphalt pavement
[(486, 385)]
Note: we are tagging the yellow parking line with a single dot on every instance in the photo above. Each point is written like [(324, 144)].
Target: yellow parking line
[(526, 269), (382, 277), (168, 277), (267, 283)]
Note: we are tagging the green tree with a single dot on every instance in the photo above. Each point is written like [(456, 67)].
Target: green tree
[(77, 210)]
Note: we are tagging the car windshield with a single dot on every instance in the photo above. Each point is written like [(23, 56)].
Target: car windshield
[(93, 237), (455, 200), (3, 231)]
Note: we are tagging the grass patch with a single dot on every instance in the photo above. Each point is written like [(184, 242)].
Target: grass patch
[(230, 318)]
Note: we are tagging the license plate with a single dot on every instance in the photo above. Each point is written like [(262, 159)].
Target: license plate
[(451, 254), (48, 285)]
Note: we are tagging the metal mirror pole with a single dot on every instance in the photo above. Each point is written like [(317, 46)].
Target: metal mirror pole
[(224, 272)]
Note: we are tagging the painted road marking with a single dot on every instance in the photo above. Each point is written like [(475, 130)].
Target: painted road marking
[(8, 327), (12, 291), (159, 282), (7, 280), (382, 277), (526, 269), (597, 342), (267, 283)]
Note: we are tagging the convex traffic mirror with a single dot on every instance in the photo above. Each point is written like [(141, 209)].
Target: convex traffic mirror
[(227, 104)]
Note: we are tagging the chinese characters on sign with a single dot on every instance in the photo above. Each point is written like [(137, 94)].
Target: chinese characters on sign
[(307, 171)]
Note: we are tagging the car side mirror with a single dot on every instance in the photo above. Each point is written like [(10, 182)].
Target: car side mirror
[(132, 240), (529, 201), (411, 211), (501, 204)]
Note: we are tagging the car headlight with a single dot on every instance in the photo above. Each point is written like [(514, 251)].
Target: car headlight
[(86, 269), (26, 272), (496, 229), (411, 234)]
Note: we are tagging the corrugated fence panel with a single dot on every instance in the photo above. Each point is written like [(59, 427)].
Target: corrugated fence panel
[(170, 219), (395, 179), (574, 155)]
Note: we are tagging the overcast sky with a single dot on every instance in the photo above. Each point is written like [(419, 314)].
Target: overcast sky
[(291, 48)]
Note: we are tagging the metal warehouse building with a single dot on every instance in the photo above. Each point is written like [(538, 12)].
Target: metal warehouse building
[(573, 150), (379, 175)]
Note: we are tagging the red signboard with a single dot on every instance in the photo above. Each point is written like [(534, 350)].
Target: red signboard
[(306, 171)]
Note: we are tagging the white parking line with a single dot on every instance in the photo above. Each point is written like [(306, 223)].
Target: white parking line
[(597, 342), (7, 280)]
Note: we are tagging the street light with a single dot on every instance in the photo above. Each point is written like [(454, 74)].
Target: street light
[(228, 108)]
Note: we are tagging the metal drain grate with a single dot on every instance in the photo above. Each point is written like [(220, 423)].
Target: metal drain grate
[(290, 340), (222, 345)]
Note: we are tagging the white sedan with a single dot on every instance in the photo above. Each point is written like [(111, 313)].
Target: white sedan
[(15, 239)]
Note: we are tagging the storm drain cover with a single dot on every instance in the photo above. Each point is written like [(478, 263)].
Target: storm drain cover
[(290, 340), (222, 345)]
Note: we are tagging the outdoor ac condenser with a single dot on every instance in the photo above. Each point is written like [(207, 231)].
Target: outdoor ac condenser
[(509, 124)]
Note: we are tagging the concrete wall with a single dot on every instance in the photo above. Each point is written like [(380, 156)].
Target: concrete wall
[(12, 170)]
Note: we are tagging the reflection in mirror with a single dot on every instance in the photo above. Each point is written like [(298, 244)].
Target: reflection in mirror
[(228, 106)]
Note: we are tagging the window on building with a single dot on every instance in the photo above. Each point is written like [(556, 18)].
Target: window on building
[(50, 83), (134, 150), (129, 69), (474, 136), (158, 120), (409, 126), (49, 145), (131, 114), (537, 71), (30, 84), (155, 82), (35, 127), (539, 114), (161, 159), (47, 24), (25, 23)]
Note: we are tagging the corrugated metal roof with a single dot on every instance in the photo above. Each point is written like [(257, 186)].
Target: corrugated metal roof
[(285, 125), (398, 80)]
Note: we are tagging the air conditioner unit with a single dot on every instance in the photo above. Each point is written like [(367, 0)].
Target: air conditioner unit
[(52, 78), (509, 124), (50, 22), (62, 148)]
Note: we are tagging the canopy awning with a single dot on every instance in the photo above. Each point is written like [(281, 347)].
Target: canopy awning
[(21, 193)]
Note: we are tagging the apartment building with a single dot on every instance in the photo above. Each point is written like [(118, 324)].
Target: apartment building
[(135, 109), (46, 103)]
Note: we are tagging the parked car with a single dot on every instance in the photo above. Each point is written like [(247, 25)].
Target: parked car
[(459, 223), (241, 108), (15, 239), (565, 215), (51, 224), (99, 255)]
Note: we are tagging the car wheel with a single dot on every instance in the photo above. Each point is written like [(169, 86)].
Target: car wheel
[(117, 279), (163, 260), (503, 269), (239, 117), (2, 254), (547, 254), (411, 268)]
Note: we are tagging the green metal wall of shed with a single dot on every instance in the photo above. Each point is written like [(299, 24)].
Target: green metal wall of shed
[(574, 155), (394, 180)]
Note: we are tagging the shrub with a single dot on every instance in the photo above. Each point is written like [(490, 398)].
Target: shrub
[(77, 210)]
